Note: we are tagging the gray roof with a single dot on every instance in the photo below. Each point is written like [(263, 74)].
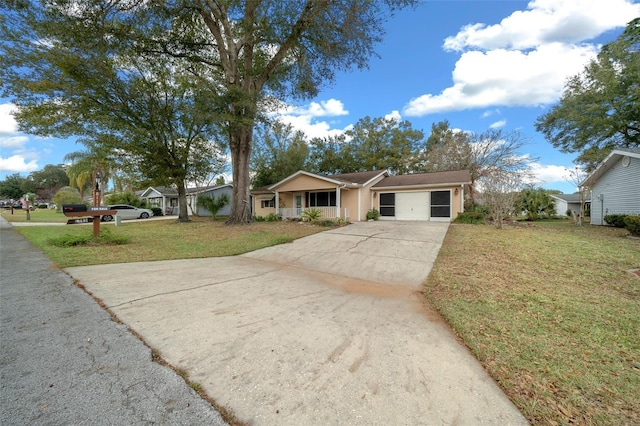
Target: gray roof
[(357, 177), (569, 198), (456, 177)]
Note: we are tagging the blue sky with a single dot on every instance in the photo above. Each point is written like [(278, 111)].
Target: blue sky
[(477, 64)]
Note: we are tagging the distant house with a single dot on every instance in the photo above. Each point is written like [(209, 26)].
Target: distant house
[(615, 185), (162, 197), (166, 198), (569, 202), (193, 194), (424, 196)]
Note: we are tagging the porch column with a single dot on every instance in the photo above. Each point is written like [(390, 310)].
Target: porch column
[(277, 202), (337, 202)]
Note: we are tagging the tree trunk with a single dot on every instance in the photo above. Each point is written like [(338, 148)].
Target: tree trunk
[(240, 147), (183, 212)]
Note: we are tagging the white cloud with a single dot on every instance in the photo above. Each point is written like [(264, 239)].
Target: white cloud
[(546, 21), (311, 128), (526, 59), (503, 77), (306, 120), (328, 108), (13, 142), (17, 163), (489, 113), (7, 123), (546, 174), (393, 115), (498, 124)]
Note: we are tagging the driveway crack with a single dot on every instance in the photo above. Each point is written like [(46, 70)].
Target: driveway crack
[(186, 289)]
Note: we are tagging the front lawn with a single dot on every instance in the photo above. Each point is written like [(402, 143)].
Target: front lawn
[(164, 240), (37, 216), (552, 312)]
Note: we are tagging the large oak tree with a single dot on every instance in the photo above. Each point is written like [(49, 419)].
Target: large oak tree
[(600, 107), (247, 52), (71, 72)]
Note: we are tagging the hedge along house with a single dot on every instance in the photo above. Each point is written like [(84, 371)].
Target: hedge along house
[(426, 196), (615, 185), (437, 197)]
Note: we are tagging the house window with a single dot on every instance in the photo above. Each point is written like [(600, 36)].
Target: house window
[(388, 204), (321, 199), (268, 203), (440, 203)]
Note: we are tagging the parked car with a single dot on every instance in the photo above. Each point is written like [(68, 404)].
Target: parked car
[(126, 211)]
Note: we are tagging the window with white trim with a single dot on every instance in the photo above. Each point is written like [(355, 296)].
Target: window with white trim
[(268, 203)]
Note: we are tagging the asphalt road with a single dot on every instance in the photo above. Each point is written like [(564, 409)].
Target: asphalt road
[(63, 360)]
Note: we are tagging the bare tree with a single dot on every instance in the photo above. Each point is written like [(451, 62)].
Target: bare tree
[(480, 153), (576, 176), (500, 190)]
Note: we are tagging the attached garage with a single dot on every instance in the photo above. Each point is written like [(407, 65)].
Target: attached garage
[(425, 196), (412, 205), (416, 205)]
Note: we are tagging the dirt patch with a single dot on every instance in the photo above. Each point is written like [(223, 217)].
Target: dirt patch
[(635, 272)]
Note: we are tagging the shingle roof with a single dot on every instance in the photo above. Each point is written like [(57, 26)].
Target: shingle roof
[(569, 198), (356, 177), (438, 178)]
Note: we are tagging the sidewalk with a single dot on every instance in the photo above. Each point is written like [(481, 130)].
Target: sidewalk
[(63, 360)]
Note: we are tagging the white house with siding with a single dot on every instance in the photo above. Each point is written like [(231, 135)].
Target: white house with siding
[(568, 202), (212, 192), (615, 185)]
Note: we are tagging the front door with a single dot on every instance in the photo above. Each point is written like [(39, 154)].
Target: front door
[(297, 203)]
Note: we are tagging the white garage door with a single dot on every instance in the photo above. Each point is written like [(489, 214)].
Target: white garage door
[(412, 205)]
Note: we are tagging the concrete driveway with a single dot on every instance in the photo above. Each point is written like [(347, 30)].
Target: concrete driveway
[(329, 329)]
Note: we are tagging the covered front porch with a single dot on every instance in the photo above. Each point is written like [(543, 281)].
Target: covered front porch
[(293, 204)]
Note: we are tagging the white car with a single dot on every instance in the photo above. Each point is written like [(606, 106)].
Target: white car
[(126, 211)]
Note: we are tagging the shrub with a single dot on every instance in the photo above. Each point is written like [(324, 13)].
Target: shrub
[(105, 238), (632, 223), (477, 208), (272, 217), (66, 195), (311, 215), (373, 214), (327, 223), (474, 218), (126, 198), (43, 206), (259, 218), (212, 204), (341, 221), (157, 211), (616, 220)]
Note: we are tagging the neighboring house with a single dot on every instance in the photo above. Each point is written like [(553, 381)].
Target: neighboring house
[(615, 185), (163, 198), (425, 196), (569, 202), (212, 192), (167, 198)]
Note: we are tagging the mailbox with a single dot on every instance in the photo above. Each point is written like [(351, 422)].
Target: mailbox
[(67, 208)]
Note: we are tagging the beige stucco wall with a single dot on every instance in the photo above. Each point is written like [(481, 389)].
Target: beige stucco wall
[(305, 183), (259, 211), (349, 200)]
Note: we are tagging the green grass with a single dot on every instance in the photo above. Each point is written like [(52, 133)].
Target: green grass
[(162, 240), (552, 313), (37, 216)]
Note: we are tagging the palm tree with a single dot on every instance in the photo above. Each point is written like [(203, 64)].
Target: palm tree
[(87, 166)]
